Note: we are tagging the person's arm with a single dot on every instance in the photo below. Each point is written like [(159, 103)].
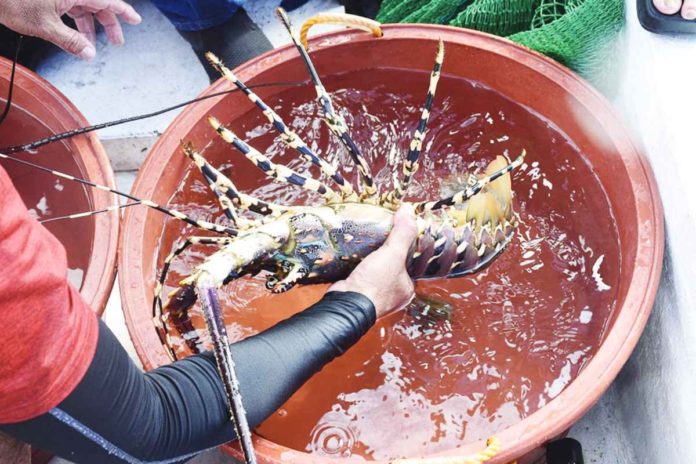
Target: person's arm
[(41, 18), (118, 414)]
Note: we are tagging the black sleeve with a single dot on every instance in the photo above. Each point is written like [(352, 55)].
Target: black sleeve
[(118, 414)]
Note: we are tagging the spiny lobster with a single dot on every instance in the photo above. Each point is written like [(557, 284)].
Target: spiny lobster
[(458, 235), (310, 244)]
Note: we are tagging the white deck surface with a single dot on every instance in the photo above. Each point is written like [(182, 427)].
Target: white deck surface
[(648, 415)]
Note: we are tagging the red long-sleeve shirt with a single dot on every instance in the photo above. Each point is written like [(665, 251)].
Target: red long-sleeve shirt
[(48, 334)]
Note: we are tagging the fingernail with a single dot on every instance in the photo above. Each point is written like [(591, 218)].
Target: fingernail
[(88, 53)]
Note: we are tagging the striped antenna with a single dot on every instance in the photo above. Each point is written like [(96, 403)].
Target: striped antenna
[(150, 204), (88, 213)]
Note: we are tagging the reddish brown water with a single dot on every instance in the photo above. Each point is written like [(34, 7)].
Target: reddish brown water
[(45, 195), (520, 330)]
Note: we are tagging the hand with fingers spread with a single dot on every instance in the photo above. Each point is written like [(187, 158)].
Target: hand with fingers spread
[(41, 18), (382, 276)]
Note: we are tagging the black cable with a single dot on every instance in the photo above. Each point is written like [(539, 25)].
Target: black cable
[(8, 102), (83, 130)]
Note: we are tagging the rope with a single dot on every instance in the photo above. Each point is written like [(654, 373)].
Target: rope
[(492, 448), (348, 20)]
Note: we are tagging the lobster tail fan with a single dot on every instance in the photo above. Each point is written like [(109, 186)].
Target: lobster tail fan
[(484, 208), (501, 188)]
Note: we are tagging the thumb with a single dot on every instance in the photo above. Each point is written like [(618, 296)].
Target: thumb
[(404, 232), (71, 41)]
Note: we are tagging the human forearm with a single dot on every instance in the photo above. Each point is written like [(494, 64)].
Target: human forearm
[(297, 348), (180, 409)]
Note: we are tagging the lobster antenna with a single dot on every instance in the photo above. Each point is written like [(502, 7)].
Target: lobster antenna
[(150, 204), (10, 91), (207, 294), (335, 122), (88, 213)]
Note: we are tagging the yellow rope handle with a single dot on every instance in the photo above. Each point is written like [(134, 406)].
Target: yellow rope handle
[(340, 19), (492, 448)]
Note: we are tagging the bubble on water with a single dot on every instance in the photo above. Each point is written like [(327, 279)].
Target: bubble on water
[(330, 439)]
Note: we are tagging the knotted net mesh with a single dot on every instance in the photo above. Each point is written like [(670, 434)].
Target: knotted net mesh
[(575, 32)]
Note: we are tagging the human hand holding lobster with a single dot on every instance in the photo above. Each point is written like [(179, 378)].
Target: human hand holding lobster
[(382, 275), (354, 234), (41, 18)]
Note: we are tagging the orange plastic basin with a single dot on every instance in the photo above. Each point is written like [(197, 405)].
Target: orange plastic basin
[(529, 79), (40, 110)]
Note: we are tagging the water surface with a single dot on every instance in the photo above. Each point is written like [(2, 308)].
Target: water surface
[(520, 330)]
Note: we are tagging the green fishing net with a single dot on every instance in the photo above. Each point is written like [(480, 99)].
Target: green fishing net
[(575, 32)]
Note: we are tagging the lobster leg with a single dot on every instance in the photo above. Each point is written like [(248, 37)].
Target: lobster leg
[(243, 254), (204, 225), (464, 195), (219, 182), (289, 137), (410, 165), (240, 256), (237, 257), (277, 171), (336, 123), (207, 293), (179, 319), (225, 203), (297, 272)]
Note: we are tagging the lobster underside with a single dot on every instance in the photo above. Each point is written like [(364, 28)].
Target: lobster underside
[(308, 245)]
